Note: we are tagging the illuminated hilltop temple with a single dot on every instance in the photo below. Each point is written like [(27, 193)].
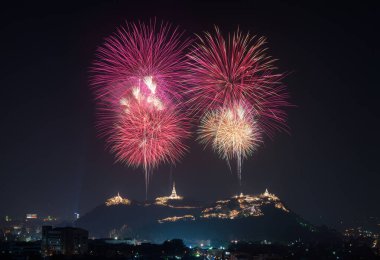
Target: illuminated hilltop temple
[(248, 205), (268, 195), (117, 200), (239, 206), (164, 200)]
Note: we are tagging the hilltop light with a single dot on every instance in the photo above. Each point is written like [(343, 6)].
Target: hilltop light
[(173, 196), (248, 205), (176, 218), (117, 200)]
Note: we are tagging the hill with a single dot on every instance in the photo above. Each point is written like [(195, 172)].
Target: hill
[(242, 217)]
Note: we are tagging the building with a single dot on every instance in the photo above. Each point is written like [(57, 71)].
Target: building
[(173, 196), (117, 200), (31, 216), (65, 241)]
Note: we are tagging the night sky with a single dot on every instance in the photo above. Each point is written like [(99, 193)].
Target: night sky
[(326, 169)]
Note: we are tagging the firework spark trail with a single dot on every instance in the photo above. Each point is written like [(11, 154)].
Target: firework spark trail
[(227, 72), (138, 79)]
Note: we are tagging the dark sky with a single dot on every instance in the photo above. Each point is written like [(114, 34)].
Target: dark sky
[(327, 169)]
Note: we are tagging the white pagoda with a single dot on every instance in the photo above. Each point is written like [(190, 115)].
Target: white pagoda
[(173, 196)]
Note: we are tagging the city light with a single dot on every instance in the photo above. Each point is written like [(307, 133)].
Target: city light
[(31, 216)]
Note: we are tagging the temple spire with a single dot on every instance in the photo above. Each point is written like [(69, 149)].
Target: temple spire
[(174, 192), (173, 196)]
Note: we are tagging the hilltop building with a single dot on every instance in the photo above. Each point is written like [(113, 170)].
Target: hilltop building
[(165, 199), (118, 200)]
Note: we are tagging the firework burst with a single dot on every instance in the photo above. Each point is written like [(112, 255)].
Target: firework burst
[(237, 69), (148, 134), (237, 92), (138, 77), (232, 132), (136, 51)]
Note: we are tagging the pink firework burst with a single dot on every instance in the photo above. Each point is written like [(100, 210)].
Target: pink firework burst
[(146, 136), (138, 50), (138, 77), (237, 69)]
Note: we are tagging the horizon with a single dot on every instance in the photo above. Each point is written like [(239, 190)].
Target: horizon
[(325, 169)]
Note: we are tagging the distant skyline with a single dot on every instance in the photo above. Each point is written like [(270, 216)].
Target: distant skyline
[(326, 169)]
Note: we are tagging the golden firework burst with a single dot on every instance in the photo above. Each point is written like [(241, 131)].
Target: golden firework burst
[(232, 132)]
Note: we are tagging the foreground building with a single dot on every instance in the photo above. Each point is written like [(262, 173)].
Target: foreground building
[(64, 241)]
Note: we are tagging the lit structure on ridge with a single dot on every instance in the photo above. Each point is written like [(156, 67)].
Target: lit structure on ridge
[(268, 195), (164, 200), (117, 200), (175, 218), (242, 206)]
